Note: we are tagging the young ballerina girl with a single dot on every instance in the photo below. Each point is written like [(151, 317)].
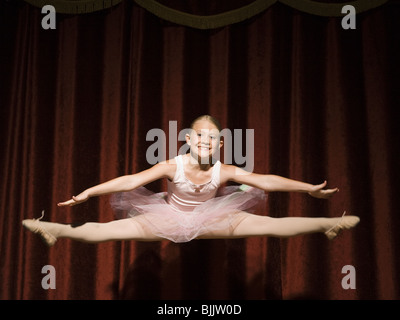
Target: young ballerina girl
[(192, 208)]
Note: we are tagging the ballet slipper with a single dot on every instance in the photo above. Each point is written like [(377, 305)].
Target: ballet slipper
[(37, 227), (345, 222)]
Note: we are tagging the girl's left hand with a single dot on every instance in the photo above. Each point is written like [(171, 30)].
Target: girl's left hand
[(319, 192), (82, 197)]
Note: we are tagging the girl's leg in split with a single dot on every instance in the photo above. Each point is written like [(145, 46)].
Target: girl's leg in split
[(254, 225), (93, 232)]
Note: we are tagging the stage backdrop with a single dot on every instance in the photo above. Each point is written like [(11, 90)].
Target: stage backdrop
[(78, 101)]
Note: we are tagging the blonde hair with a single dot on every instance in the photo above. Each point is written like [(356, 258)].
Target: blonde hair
[(208, 118)]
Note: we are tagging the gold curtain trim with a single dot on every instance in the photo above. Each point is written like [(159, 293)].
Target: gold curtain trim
[(206, 22), (210, 21), (248, 11), (75, 6), (332, 9)]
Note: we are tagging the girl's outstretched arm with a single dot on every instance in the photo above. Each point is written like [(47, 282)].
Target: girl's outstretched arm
[(270, 183), (124, 183)]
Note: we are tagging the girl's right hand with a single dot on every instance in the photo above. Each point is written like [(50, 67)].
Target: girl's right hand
[(82, 197)]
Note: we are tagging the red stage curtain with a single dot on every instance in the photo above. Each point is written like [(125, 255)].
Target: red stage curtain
[(78, 101)]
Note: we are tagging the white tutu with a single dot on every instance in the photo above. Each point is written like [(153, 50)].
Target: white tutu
[(219, 213)]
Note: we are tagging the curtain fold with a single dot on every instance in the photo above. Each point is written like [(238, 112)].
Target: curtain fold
[(78, 102), (205, 21)]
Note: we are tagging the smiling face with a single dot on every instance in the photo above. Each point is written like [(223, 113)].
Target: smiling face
[(204, 140)]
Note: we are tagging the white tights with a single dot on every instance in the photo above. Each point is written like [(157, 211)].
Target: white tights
[(251, 225)]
